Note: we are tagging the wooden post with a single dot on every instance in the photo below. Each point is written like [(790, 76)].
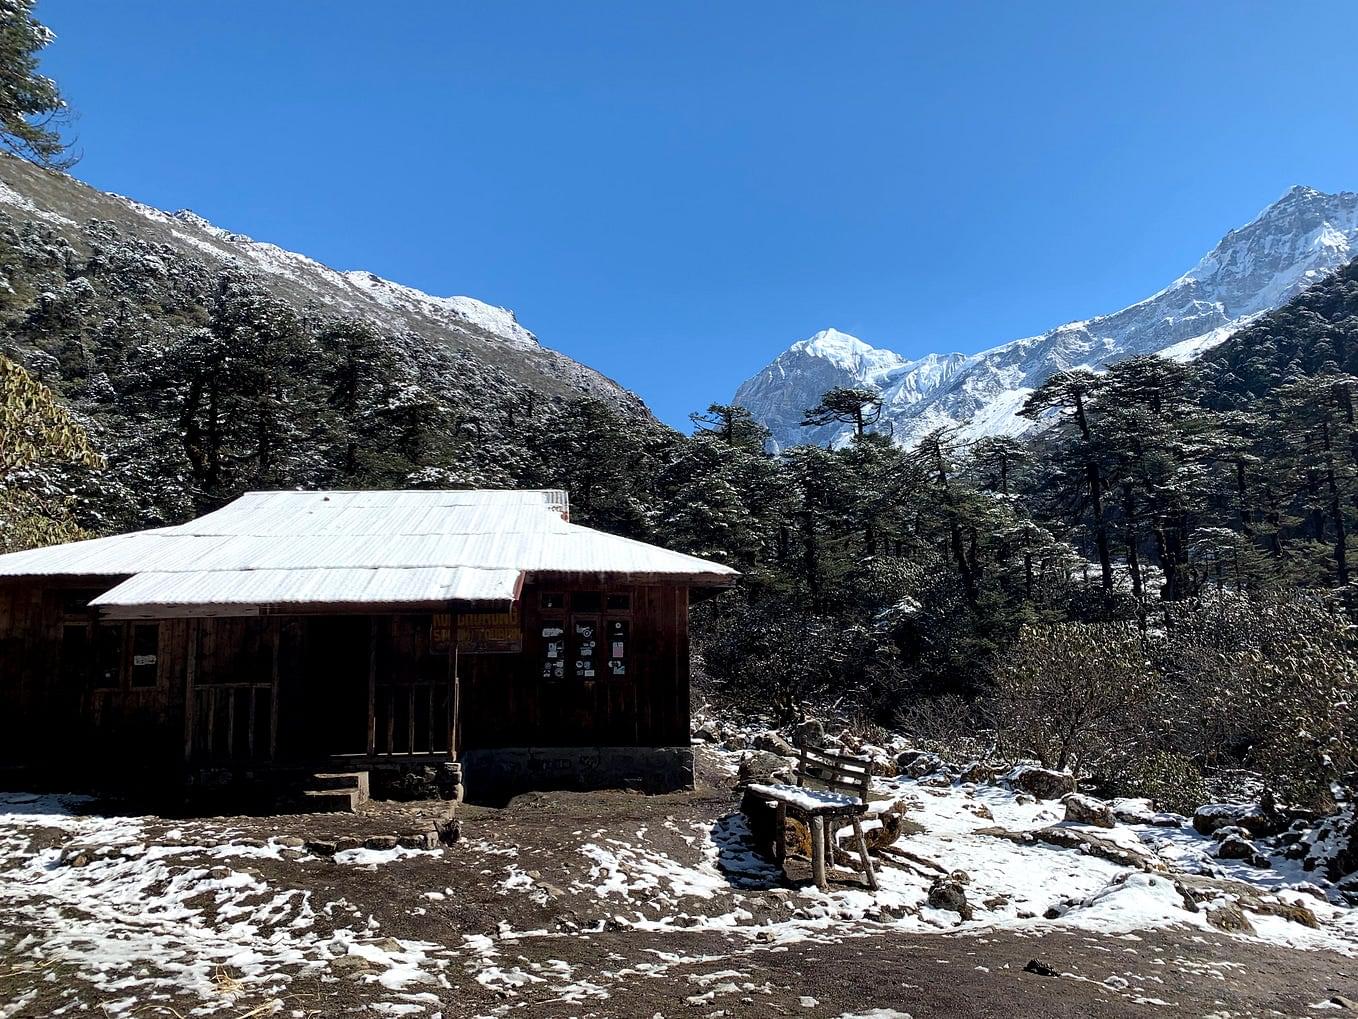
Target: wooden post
[(780, 833), (273, 691), (863, 853), (190, 698), (454, 694), (372, 686), (818, 852)]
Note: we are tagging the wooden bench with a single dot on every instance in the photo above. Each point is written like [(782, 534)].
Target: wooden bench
[(830, 788)]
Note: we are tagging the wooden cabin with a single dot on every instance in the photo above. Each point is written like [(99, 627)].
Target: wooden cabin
[(475, 636)]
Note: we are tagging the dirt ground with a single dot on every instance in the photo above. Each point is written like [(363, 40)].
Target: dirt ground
[(551, 906)]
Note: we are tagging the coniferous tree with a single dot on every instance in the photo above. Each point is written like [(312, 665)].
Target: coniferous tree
[(31, 106), (846, 405)]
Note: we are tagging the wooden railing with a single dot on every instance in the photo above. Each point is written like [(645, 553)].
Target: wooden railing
[(234, 723), (412, 718)]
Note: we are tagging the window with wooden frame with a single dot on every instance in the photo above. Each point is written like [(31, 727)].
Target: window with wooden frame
[(111, 656), (143, 670), (584, 635)]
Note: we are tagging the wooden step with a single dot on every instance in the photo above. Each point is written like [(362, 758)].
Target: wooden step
[(331, 800), (341, 780)]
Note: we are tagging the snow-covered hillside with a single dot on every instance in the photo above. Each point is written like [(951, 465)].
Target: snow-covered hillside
[(1260, 266), (492, 334)]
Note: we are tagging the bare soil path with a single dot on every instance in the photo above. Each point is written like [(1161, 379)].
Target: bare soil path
[(606, 904)]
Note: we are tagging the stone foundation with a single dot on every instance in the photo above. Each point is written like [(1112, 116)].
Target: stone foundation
[(406, 782), (506, 771)]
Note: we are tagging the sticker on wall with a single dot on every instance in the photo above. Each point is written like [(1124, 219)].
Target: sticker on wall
[(617, 667)]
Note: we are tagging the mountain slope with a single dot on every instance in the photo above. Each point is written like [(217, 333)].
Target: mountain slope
[(491, 334), (1293, 243)]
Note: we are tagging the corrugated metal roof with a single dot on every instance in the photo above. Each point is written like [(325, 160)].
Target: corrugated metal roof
[(423, 585), (347, 546)]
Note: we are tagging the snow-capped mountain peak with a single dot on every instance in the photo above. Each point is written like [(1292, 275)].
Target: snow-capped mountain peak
[(1293, 242)]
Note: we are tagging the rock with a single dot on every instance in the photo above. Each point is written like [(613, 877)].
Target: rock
[(75, 857), (1332, 846), (772, 742), (1042, 782), (449, 830), (977, 773), (947, 893), (1230, 919), (810, 733), (321, 847), (291, 842), (1040, 968), (345, 843), (380, 842), (918, 763), (881, 766), (352, 963), (980, 810), (908, 757), (219, 873), (735, 741), (1297, 912), (761, 766), (707, 734), (1345, 1003), (1211, 817), (1087, 810), (1233, 847), (420, 840)]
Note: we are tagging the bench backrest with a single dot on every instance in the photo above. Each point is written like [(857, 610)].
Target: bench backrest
[(840, 773)]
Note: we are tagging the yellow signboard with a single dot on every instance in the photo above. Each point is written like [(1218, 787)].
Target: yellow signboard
[(441, 633), (490, 632)]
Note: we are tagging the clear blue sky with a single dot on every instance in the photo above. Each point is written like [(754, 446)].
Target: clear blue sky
[(673, 192)]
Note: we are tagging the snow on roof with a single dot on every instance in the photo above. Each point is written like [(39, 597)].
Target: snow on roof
[(279, 548)]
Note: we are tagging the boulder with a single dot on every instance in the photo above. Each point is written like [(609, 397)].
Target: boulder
[(882, 766), (75, 856), (1087, 810), (761, 766), (380, 842), (1210, 817), (1043, 783), (1040, 968), (948, 893), (810, 733), (920, 765), (1331, 846), (772, 742), (707, 734), (1233, 847), (449, 830), (977, 773), (419, 840), (1230, 919)]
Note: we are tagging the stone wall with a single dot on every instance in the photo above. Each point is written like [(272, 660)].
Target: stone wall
[(496, 774)]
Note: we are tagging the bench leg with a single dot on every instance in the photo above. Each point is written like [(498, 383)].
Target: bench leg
[(818, 852), (780, 834), (831, 826), (863, 852)]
